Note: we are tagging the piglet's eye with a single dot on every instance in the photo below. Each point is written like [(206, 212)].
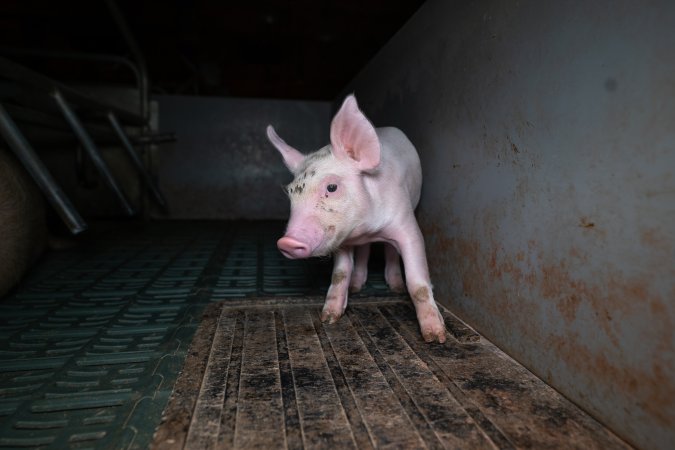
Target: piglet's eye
[(331, 188)]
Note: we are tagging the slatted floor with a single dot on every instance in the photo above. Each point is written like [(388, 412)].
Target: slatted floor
[(93, 342), (271, 375)]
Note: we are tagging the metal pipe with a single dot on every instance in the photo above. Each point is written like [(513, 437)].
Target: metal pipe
[(91, 149), (136, 159), (25, 153), (135, 50), (25, 76), (140, 60), (77, 55)]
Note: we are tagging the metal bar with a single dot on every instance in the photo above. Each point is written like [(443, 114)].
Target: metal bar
[(136, 51), (55, 122), (156, 138), (92, 151), (25, 76), (91, 57), (29, 115), (136, 159), (141, 80), (25, 153)]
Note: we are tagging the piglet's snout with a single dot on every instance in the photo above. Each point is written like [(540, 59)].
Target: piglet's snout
[(293, 248)]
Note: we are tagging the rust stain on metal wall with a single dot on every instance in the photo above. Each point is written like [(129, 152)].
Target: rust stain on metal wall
[(511, 287), (656, 239), (652, 387)]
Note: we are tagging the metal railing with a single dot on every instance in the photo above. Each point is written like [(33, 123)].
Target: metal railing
[(61, 108)]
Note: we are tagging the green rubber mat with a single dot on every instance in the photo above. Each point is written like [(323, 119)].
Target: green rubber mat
[(92, 341)]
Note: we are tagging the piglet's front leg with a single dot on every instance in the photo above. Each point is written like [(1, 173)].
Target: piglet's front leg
[(411, 244), (336, 299)]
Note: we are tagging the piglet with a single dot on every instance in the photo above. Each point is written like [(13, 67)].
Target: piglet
[(363, 187)]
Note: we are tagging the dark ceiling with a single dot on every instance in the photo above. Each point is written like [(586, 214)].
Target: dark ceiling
[(302, 49)]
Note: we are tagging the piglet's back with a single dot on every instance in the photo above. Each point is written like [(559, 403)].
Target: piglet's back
[(400, 161)]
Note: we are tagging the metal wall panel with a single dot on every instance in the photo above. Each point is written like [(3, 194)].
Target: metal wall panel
[(222, 166), (547, 137)]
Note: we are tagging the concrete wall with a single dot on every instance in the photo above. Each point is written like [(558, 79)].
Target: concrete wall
[(222, 166), (547, 137)]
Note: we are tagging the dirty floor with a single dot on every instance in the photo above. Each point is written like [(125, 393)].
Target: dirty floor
[(200, 335)]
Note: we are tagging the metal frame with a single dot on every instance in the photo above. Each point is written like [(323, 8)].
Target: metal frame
[(136, 51), (70, 103), (25, 153), (93, 152), (117, 127), (140, 77), (25, 76)]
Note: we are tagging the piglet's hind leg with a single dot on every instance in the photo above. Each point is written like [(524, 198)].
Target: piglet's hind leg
[(360, 272), (392, 269)]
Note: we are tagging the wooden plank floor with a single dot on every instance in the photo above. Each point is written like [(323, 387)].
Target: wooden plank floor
[(267, 373)]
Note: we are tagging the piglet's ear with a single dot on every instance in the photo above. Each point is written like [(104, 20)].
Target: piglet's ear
[(353, 136), (292, 158)]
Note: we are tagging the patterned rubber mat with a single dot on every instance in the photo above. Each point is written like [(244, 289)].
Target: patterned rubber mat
[(92, 341), (273, 376)]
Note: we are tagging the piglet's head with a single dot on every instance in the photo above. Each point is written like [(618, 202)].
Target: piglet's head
[(328, 195)]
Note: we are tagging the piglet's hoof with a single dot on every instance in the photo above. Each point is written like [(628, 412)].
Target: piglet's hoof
[(433, 336), (354, 289), (397, 288), (330, 317), (433, 330)]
